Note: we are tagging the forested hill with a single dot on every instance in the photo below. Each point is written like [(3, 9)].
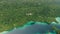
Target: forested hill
[(14, 13)]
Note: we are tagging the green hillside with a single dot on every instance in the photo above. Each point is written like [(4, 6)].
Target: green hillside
[(14, 13)]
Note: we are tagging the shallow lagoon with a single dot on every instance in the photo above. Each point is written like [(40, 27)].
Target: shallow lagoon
[(34, 28)]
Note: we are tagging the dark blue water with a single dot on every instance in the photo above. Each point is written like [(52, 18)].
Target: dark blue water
[(33, 29), (41, 28), (36, 28)]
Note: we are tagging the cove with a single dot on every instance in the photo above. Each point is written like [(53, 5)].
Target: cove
[(35, 28), (32, 28)]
